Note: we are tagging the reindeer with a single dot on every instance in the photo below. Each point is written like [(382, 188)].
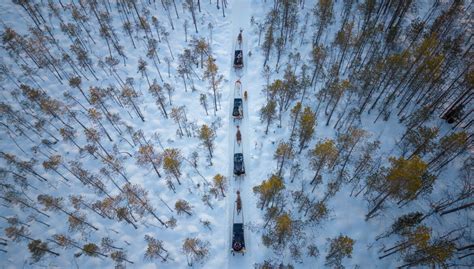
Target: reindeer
[(239, 38), (239, 203), (238, 135)]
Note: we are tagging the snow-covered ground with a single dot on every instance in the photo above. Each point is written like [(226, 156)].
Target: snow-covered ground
[(347, 213), (193, 185)]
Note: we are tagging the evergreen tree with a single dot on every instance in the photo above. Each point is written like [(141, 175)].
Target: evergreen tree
[(195, 250), (323, 13), (339, 248), (219, 182), (38, 249), (307, 123), (269, 190), (155, 249), (182, 206), (420, 141), (146, 155), (279, 235), (215, 79), (268, 113), (207, 137), (157, 91), (283, 152), (323, 155), (401, 181), (172, 161)]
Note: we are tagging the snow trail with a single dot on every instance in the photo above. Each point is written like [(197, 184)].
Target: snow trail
[(240, 19)]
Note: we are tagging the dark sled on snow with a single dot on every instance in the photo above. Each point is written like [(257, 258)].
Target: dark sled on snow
[(238, 59), (237, 110), (238, 241), (239, 167)]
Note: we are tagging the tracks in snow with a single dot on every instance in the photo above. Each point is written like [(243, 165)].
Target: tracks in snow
[(241, 20)]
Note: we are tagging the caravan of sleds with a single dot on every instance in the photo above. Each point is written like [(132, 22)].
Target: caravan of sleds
[(238, 239)]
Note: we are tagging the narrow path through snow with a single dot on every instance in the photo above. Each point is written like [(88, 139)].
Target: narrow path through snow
[(240, 19)]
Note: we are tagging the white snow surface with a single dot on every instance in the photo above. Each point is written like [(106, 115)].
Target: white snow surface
[(347, 213)]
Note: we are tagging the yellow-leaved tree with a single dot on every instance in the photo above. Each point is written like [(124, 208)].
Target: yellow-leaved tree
[(402, 181), (220, 183), (172, 161), (207, 137), (339, 248), (324, 154), (268, 190)]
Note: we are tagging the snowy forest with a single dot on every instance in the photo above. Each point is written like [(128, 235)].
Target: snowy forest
[(264, 134)]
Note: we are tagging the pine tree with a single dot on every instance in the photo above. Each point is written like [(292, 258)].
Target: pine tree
[(282, 230), (283, 152), (119, 256), (295, 116), (269, 190), (157, 91), (155, 249), (450, 147), (323, 12), (346, 144), (215, 79), (268, 43), (56, 204), (435, 255), (268, 113), (284, 91), (195, 249), (318, 56), (178, 114), (91, 249), (190, 5), (75, 82), (38, 249), (416, 238), (405, 176), (203, 101), (402, 181), (53, 164), (200, 47), (339, 248), (207, 137), (129, 97), (318, 212), (182, 206), (172, 161), (146, 155), (219, 182), (343, 40), (403, 224), (169, 90), (335, 90), (323, 155), (420, 141), (307, 123)]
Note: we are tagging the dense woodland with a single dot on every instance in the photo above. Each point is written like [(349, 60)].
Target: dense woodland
[(350, 65), (68, 150)]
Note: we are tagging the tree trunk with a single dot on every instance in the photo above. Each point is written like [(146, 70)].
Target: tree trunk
[(376, 207), (465, 206)]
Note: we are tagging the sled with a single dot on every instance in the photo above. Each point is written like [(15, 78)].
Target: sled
[(238, 241), (237, 111), (238, 238), (239, 167), (238, 59)]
